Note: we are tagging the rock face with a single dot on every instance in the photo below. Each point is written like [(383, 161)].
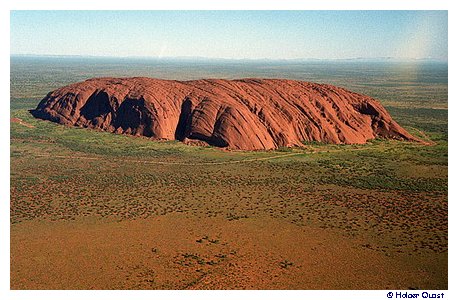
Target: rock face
[(248, 114)]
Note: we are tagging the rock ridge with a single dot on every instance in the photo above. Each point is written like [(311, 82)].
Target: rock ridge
[(244, 114)]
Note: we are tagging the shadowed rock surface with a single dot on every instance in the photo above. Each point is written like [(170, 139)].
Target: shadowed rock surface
[(248, 114)]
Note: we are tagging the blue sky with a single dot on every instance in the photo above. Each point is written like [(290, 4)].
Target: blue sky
[(232, 34)]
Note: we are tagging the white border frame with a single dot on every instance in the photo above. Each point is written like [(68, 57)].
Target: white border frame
[(5, 293)]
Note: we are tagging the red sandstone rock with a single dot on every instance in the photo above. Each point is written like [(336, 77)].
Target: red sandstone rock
[(247, 114)]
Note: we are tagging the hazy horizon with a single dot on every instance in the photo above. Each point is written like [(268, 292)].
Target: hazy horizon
[(222, 59)]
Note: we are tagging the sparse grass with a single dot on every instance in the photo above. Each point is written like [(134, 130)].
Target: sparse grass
[(394, 174)]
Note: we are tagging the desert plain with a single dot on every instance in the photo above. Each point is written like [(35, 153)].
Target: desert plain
[(96, 210)]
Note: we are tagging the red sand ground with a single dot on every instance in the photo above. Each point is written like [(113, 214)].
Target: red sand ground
[(19, 121), (180, 252)]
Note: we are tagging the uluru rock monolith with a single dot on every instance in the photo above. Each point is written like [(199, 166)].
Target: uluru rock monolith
[(247, 114)]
